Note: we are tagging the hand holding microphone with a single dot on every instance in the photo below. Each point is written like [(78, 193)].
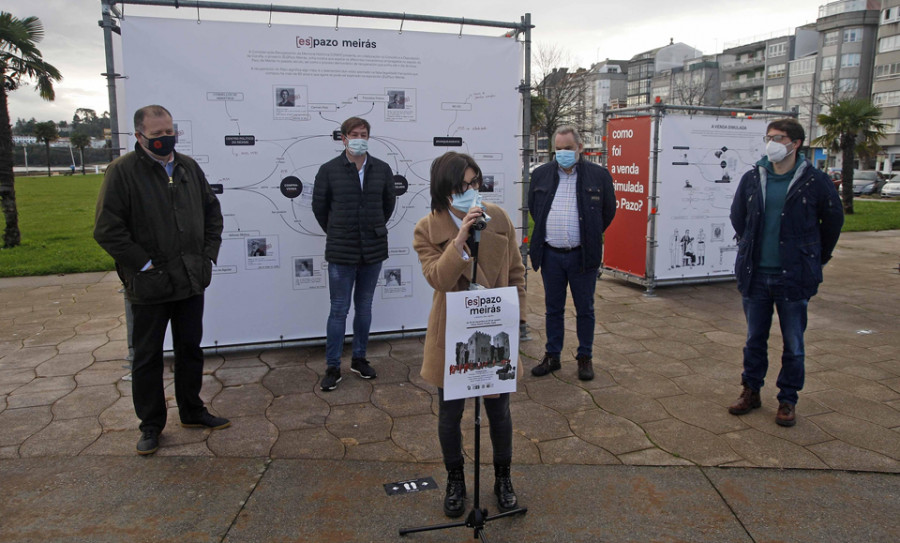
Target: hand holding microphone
[(470, 224)]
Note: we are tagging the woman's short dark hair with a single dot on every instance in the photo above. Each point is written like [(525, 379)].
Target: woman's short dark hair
[(448, 173)]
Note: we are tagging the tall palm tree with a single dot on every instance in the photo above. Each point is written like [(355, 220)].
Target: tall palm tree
[(80, 140), (46, 132), (19, 59), (851, 127)]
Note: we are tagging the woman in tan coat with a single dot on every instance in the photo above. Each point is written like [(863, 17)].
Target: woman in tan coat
[(444, 245)]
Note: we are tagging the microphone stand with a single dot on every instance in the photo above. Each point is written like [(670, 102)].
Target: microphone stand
[(477, 516)]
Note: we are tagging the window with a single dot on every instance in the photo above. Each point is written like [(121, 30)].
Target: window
[(893, 126), (885, 99), (776, 70), (849, 60), (848, 85), (890, 15), (800, 89), (890, 43), (805, 66), (885, 71), (852, 34), (774, 92), (828, 63), (826, 86), (831, 38), (777, 49)]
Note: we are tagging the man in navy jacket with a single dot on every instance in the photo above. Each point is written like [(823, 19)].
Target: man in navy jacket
[(787, 217), (572, 202)]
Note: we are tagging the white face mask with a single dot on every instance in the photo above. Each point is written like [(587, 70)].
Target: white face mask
[(358, 147), (777, 151)]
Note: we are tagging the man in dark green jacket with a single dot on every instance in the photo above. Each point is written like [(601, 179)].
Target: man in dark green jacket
[(160, 221), (353, 199)]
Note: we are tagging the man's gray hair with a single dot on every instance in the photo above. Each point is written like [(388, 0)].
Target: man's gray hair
[(568, 129)]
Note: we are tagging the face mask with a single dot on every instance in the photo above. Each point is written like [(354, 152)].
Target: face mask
[(465, 201), (161, 146), (777, 151), (358, 147), (566, 158)]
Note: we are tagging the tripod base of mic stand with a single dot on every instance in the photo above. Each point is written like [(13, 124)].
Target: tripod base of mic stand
[(475, 520)]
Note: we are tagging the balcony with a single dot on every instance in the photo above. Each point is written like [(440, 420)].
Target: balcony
[(751, 101), (743, 64), (745, 84), (844, 6)]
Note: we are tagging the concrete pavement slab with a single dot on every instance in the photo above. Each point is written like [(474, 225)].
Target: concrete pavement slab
[(142, 500), (812, 506)]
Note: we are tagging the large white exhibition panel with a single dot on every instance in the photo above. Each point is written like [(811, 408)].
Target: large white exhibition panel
[(258, 106), (701, 161)]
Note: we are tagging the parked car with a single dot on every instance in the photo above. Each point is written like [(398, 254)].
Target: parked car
[(890, 190), (835, 175), (867, 182)]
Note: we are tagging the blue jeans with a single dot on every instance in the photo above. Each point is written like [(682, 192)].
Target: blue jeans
[(341, 281), (766, 290), (559, 270)]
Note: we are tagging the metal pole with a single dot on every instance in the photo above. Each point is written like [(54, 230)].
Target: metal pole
[(108, 26), (525, 89), (658, 110), (605, 119), (197, 4)]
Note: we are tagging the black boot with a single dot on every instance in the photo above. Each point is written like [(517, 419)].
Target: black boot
[(455, 499), (506, 496)]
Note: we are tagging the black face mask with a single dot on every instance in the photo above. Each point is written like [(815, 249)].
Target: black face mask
[(161, 146)]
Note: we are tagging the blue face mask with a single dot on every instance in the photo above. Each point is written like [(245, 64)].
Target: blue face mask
[(465, 201), (566, 158), (358, 147)]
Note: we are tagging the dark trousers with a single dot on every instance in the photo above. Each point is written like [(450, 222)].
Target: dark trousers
[(450, 414), (150, 322), (766, 292), (561, 269)]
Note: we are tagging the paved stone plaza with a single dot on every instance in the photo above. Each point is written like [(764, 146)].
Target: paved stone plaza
[(652, 427)]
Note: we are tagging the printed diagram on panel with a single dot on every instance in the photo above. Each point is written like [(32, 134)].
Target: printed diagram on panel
[(277, 173)]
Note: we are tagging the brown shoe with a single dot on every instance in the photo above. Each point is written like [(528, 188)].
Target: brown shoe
[(748, 401), (585, 367), (786, 415), (549, 364)]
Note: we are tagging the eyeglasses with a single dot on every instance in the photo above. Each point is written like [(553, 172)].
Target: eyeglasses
[(777, 138), (475, 183)]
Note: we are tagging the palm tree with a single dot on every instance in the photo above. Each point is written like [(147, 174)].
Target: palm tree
[(46, 132), (19, 59), (851, 127), (80, 141)]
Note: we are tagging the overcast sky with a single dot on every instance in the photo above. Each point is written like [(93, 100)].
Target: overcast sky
[(589, 30)]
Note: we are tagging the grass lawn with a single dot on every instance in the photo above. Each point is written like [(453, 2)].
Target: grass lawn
[(869, 215), (56, 218)]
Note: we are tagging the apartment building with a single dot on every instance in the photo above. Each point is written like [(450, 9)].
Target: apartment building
[(696, 82), (643, 66), (886, 83)]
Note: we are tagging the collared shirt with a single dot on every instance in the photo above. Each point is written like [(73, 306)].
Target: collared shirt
[(362, 171), (562, 221), (458, 223)]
